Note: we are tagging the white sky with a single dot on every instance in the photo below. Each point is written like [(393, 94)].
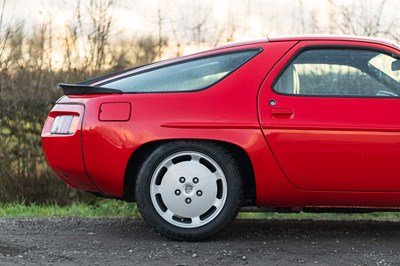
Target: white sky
[(140, 16), (250, 18)]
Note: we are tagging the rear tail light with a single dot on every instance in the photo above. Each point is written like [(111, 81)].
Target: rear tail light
[(65, 124)]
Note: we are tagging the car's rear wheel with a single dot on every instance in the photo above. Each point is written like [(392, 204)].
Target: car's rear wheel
[(189, 190)]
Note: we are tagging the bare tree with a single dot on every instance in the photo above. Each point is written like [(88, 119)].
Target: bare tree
[(363, 18), (86, 40)]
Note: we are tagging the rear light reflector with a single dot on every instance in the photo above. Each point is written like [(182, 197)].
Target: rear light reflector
[(65, 124)]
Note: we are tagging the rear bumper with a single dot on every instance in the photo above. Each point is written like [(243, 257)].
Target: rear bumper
[(64, 152)]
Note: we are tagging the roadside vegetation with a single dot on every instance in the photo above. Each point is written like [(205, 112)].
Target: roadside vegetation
[(101, 208), (115, 208), (85, 47)]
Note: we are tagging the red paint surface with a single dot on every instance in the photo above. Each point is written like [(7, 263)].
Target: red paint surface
[(305, 151), (115, 112)]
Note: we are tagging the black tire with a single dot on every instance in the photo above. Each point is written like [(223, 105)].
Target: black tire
[(170, 184)]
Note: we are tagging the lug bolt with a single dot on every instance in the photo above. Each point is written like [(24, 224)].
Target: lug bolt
[(188, 200), (182, 180), (199, 193), (195, 180), (177, 192)]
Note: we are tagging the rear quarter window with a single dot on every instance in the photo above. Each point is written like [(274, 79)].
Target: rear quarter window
[(193, 75)]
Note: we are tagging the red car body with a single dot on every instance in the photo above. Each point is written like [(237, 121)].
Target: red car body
[(297, 151)]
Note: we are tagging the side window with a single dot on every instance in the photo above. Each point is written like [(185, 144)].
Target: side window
[(341, 72), (183, 76)]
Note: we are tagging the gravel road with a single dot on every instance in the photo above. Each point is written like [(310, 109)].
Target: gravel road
[(77, 241)]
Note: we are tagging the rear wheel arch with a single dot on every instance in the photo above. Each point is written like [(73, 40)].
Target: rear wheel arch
[(140, 154), (136, 160)]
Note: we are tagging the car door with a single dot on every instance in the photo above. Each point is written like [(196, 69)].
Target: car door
[(330, 112)]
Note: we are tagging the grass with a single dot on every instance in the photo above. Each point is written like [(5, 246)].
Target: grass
[(102, 208), (380, 216), (115, 208)]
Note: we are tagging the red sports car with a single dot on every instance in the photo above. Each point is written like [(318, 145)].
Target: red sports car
[(289, 123)]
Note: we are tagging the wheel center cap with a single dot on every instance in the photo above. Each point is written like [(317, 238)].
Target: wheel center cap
[(188, 189)]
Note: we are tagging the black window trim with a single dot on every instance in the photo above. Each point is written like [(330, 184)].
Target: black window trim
[(257, 50), (331, 46)]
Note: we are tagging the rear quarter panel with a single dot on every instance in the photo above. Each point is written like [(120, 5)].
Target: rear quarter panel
[(225, 112)]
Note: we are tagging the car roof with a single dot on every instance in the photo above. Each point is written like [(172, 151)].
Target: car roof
[(312, 37), (328, 37)]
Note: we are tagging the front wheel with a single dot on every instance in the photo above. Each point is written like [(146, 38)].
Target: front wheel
[(189, 190)]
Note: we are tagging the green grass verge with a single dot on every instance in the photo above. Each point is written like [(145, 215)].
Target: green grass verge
[(381, 216), (102, 208), (115, 208)]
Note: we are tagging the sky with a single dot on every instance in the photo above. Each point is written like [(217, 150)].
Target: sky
[(261, 17), (208, 22)]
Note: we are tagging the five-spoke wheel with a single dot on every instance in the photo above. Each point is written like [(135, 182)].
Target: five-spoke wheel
[(189, 190)]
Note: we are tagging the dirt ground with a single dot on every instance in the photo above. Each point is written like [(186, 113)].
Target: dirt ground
[(77, 241)]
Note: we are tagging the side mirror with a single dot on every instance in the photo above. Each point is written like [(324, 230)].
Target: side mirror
[(396, 65)]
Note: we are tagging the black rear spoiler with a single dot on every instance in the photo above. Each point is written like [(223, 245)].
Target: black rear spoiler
[(69, 89)]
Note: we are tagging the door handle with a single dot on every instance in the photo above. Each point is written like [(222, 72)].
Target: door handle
[(282, 111)]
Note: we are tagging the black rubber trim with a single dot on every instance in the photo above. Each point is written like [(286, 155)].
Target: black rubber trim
[(77, 89)]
